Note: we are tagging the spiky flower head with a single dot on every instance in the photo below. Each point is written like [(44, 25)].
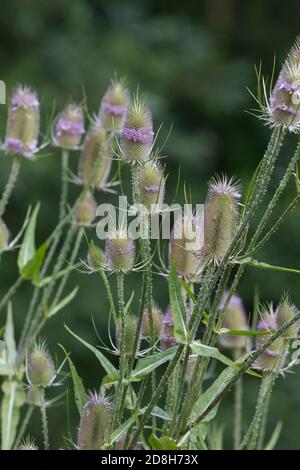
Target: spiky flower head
[(96, 157), (186, 245), (95, 422), (85, 213), (4, 236), (23, 123), (151, 186), (128, 335), (285, 311), (137, 133), (95, 257), (114, 106), (119, 252), (28, 443), (235, 318), (40, 369), (167, 339), (157, 318), (69, 127), (220, 218), (283, 108), (271, 358)]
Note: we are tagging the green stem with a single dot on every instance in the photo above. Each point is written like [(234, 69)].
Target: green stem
[(11, 292), (238, 407), (44, 419), (109, 293), (64, 184), (10, 184), (23, 426)]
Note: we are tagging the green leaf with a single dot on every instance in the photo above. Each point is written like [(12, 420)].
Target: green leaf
[(65, 301), (149, 363), (226, 331), (27, 250), (207, 351), (13, 399), (177, 306), (275, 436), (123, 428), (249, 190), (162, 414), (162, 443), (106, 364), (261, 265), (31, 270), (9, 339), (80, 394)]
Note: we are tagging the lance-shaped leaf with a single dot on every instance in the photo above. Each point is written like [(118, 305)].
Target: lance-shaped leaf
[(9, 339), (177, 306), (150, 363), (27, 250), (261, 265), (163, 443), (32, 268), (13, 399), (60, 305), (80, 394), (120, 431)]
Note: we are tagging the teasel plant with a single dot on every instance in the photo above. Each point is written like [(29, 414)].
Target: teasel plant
[(163, 381)]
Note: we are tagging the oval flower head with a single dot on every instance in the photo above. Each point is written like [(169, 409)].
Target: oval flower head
[(235, 318), (95, 423), (151, 186), (69, 127), (86, 211), (285, 311), (220, 218), (40, 369), (283, 108), (96, 157), (119, 252), (114, 106), (157, 317), (185, 246), (130, 330), (137, 133), (23, 123), (274, 355)]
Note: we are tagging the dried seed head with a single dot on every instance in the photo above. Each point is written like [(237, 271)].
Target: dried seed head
[(284, 105), (235, 318), (86, 210), (137, 133), (220, 218), (285, 312), (95, 423), (95, 257), (157, 317), (167, 339), (151, 186), (114, 105), (23, 123), (40, 369), (28, 444), (96, 157), (69, 127), (130, 329), (4, 236), (185, 247), (274, 354), (119, 252)]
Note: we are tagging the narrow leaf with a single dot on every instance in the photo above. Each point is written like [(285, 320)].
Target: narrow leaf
[(80, 394), (13, 399), (27, 249), (177, 306), (150, 363)]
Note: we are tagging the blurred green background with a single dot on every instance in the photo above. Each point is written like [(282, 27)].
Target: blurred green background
[(195, 61)]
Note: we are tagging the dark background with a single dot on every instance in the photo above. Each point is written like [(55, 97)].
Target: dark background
[(195, 60)]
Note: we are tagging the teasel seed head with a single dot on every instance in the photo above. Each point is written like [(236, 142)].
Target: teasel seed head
[(95, 423), (40, 369), (151, 186), (137, 133), (186, 247), (220, 218), (28, 444), (95, 257), (283, 108), (157, 317), (130, 329), (85, 213), (4, 236), (119, 252), (23, 123), (285, 311), (114, 106), (167, 339), (96, 157), (271, 358), (69, 127), (235, 318)]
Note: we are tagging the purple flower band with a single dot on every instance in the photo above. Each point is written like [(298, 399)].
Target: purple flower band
[(116, 110), (267, 325), (69, 127), (25, 99), (144, 135), (17, 146)]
